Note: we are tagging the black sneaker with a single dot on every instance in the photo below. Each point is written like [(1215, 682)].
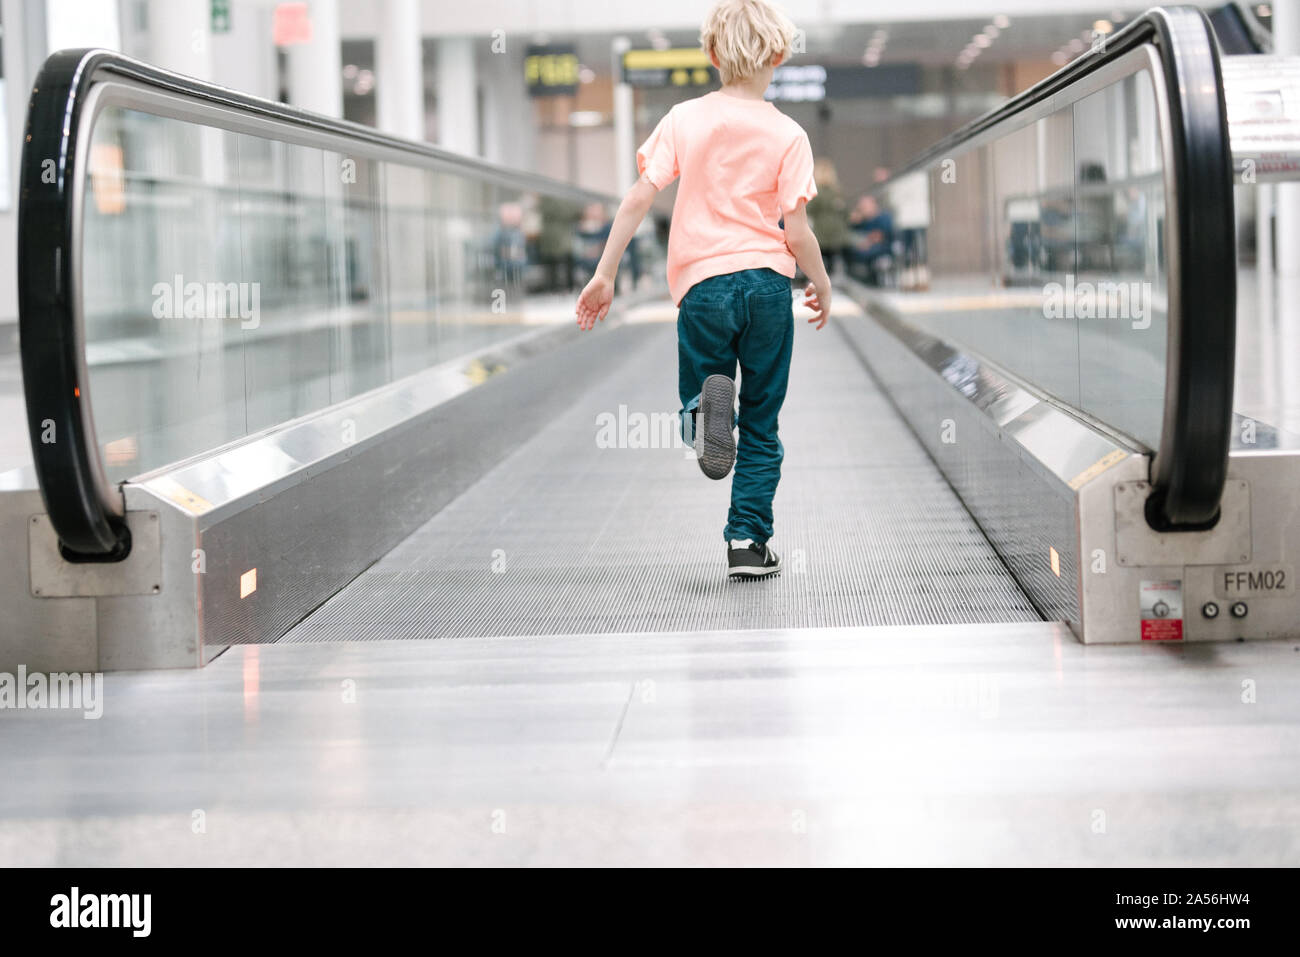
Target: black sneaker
[(715, 445), (746, 560)]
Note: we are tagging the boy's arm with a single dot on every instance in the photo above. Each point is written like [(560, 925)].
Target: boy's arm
[(799, 237), (596, 297)]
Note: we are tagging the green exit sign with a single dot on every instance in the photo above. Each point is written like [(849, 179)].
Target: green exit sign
[(220, 16)]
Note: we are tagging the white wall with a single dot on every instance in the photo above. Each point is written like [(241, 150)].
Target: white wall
[(11, 137), (32, 29), (82, 23), (244, 59), (509, 126), (22, 58)]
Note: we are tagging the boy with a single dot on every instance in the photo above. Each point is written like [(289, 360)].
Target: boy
[(744, 167)]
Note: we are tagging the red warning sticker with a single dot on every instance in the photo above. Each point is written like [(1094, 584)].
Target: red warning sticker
[(1161, 605), (1154, 629)]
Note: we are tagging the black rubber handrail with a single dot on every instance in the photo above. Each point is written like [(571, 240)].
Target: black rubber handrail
[(86, 510), (1191, 464), (1190, 467), (87, 513)]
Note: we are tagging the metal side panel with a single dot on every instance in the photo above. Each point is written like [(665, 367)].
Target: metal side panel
[(1265, 586), (1112, 590), (1235, 581), (53, 576), (159, 630), (138, 613), (40, 634), (1011, 457)]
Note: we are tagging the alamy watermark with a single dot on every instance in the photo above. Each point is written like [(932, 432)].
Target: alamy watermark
[(978, 694), (1129, 301), (640, 430), (77, 909), (179, 299), (57, 691)]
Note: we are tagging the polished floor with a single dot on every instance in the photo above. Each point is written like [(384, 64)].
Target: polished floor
[(957, 744)]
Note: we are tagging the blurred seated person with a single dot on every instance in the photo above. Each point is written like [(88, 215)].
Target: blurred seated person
[(1094, 222), (590, 237), (828, 214), (1131, 246), (872, 239), (559, 219), (509, 247)]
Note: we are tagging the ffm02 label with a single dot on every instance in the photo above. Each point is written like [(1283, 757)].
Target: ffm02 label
[(1257, 581)]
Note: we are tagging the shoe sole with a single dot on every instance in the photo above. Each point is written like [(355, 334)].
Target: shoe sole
[(752, 574), (716, 449)]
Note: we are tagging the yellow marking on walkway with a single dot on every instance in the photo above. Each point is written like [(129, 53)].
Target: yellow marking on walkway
[(173, 491), (479, 372), (1097, 467)]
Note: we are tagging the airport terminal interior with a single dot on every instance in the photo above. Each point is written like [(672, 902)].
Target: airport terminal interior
[(331, 539)]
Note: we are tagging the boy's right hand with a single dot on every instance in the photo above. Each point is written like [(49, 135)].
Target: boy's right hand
[(819, 302), (595, 301)]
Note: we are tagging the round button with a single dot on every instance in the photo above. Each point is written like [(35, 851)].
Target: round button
[(1238, 609), (1210, 609)]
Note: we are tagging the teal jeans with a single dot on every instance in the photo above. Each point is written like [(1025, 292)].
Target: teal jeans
[(742, 318)]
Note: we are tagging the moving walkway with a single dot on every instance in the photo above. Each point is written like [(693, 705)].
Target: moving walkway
[(291, 379)]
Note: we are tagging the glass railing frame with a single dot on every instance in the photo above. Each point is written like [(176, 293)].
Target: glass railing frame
[(1189, 469), (1132, 62), (86, 510)]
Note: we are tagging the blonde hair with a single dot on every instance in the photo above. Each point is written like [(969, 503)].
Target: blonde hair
[(745, 36)]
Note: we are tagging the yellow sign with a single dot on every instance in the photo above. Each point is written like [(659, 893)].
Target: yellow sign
[(678, 59), (684, 67), (551, 70)]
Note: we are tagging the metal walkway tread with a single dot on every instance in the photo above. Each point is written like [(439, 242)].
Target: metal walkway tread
[(566, 536)]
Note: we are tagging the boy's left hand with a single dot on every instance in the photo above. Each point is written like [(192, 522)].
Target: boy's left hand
[(595, 301), (819, 303)]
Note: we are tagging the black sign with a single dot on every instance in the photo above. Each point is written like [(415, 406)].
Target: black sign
[(844, 82), (810, 82), (551, 70)]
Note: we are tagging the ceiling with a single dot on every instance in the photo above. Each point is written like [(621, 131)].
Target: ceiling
[(932, 43), (929, 43)]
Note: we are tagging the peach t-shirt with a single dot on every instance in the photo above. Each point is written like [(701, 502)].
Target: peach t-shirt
[(743, 163)]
